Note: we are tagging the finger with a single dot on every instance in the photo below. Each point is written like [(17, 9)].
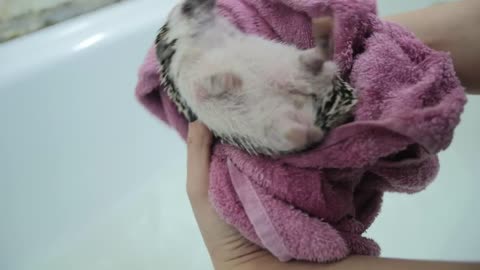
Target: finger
[(199, 142)]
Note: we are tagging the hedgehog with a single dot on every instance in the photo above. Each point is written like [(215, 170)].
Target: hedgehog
[(263, 96)]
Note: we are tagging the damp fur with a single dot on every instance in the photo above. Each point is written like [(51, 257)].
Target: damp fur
[(266, 97)]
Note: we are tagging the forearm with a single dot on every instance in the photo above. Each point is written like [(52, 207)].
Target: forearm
[(452, 27)]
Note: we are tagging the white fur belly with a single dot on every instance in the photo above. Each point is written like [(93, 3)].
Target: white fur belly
[(262, 109)]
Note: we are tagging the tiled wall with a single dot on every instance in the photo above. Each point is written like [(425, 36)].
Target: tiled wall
[(12, 8), (19, 17)]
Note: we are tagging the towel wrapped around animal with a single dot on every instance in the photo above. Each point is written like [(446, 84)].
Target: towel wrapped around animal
[(316, 205)]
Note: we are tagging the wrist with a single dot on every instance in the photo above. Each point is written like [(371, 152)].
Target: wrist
[(422, 23), (249, 260)]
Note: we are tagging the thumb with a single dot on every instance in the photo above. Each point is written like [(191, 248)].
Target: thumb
[(199, 141)]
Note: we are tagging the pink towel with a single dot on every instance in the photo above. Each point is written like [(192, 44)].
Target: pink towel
[(316, 205)]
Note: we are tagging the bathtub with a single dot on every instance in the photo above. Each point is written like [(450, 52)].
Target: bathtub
[(89, 180)]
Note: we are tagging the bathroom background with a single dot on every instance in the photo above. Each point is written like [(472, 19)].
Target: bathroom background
[(89, 181), (19, 17)]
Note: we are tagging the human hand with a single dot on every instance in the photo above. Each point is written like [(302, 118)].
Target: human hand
[(451, 27), (227, 248)]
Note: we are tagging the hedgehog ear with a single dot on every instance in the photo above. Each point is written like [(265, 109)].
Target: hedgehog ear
[(222, 82), (217, 85)]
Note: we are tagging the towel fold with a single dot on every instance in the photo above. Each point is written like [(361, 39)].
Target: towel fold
[(316, 205)]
